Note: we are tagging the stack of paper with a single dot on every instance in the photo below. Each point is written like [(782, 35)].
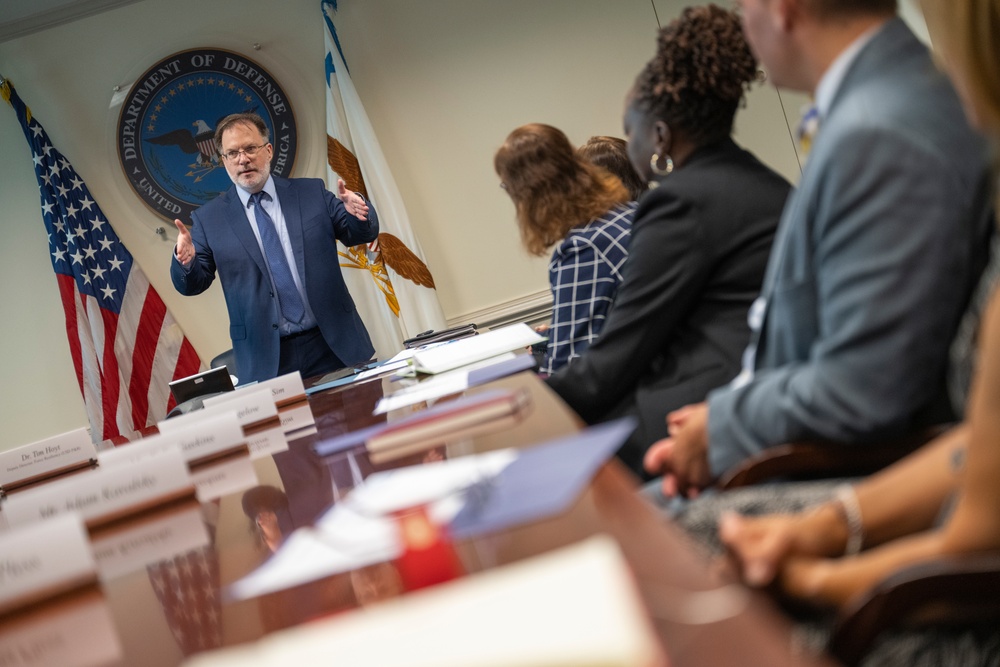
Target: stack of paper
[(455, 381), (574, 607), (470, 350)]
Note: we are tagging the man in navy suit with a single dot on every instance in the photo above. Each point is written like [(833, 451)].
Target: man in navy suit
[(876, 253), (273, 242)]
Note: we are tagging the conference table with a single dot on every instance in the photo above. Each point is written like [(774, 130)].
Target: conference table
[(175, 607)]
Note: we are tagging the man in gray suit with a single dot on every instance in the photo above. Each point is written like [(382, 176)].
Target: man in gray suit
[(875, 256)]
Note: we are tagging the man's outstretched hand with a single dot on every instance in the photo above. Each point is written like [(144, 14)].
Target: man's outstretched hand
[(184, 251), (353, 202)]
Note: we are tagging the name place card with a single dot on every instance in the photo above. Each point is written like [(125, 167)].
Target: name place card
[(296, 417), (285, 389), (254, 408), (289, 396), (107, 494), (267, 442), (222, 477), (42, 560), (157, 536), (200, 442), (75, 631), (46, 458)]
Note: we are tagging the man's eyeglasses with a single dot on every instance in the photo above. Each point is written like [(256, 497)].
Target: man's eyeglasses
[(250, 151)]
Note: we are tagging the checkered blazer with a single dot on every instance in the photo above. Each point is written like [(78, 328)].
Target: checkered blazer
[(585, 272)]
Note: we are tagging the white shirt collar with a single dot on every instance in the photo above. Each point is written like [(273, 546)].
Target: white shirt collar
[(268, 188), (834, 75)]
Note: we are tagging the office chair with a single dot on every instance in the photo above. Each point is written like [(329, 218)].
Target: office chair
[(227, 359)]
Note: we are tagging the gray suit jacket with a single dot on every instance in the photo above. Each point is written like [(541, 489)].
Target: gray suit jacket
[(876, 255)]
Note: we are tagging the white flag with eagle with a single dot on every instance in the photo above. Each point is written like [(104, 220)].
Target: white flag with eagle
[(391, 284)]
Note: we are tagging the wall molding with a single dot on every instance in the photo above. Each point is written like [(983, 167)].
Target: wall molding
[(54, 14), (534, 308)]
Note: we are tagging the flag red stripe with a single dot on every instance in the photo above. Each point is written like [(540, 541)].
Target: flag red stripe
[(188, 363), (67, 292), (110, 376), (146, 336)]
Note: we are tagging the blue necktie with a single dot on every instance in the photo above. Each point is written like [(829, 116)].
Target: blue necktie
[(288, 296)]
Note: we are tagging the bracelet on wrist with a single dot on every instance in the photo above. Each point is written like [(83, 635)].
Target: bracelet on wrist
[(847, 502)]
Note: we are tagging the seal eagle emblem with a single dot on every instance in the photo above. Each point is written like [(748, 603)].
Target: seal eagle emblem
[(166, 129)]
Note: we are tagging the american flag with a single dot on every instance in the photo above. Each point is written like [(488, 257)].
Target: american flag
[(126, 347)]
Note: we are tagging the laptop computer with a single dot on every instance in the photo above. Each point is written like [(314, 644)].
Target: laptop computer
[(212, 381)]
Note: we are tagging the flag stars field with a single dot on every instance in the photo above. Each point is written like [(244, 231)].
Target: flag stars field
[(124, 343)]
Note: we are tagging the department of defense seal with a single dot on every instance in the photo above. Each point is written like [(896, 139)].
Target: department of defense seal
[(167, 124)]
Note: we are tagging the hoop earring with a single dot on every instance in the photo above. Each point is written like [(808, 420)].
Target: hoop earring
[(654, 165)]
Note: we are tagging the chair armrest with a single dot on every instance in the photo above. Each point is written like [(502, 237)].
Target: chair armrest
[(947, 591), (818, 460)]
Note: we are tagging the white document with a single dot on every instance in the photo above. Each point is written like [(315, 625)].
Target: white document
[(466, 351), (443, 384), (349, 541), (360, 531), (383, 369), (393, 490)]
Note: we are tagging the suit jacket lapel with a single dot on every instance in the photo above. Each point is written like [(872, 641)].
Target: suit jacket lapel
[(872, 58), (241, 229), (291, 210)]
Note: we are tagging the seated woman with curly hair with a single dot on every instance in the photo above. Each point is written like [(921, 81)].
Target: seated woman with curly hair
[(562, 198), (701, 238)]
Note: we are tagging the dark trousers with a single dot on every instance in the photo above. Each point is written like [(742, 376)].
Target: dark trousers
[(308, 353)]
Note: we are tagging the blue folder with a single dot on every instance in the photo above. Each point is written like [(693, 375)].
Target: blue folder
[(542, 482)]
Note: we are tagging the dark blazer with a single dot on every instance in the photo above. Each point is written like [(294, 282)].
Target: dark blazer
[(225, 243), (877, 253), (700, 242)]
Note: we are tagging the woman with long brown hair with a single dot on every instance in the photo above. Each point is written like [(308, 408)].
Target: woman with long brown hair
[(561, 198)]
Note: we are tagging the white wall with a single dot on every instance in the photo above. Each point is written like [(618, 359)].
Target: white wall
[(444, 81), (66, 75)]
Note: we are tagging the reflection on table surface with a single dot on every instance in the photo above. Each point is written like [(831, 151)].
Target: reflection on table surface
[(169, 604)]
